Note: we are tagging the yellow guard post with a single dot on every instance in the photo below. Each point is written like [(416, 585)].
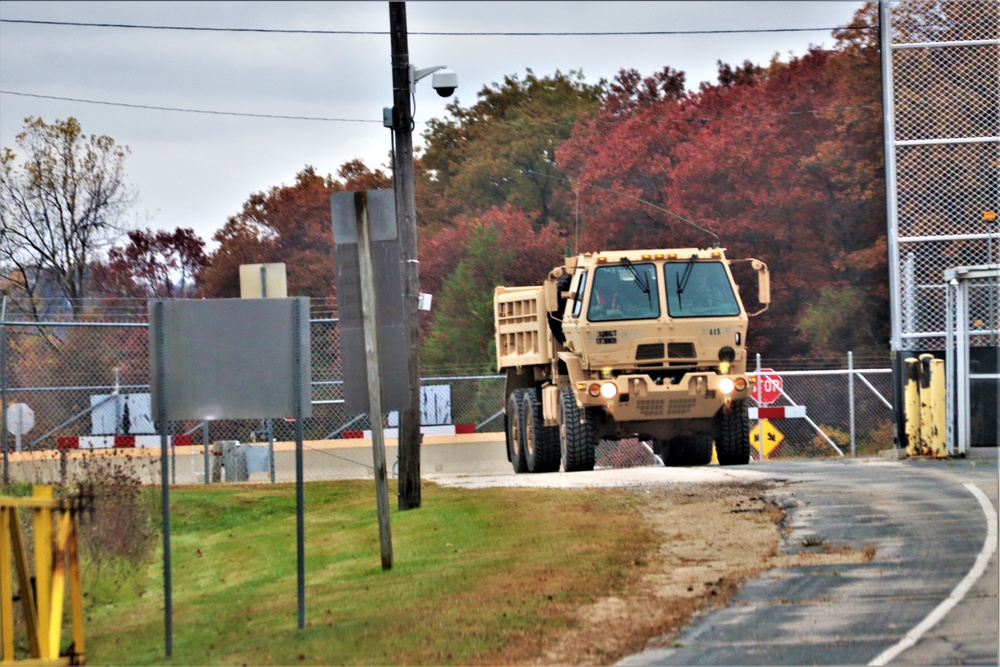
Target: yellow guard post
[(55, 545)]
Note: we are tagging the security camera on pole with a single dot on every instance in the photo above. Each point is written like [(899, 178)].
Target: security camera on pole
[(400, 120)]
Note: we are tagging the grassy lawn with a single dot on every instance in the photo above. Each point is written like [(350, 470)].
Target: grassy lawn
[(480, 576)]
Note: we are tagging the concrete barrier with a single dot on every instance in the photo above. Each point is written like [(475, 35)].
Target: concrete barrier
[(476, 453)]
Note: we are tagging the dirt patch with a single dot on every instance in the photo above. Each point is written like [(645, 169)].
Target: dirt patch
[(713, 537)]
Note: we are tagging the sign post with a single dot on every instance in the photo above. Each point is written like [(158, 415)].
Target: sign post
[(369, 309), (767, 389)]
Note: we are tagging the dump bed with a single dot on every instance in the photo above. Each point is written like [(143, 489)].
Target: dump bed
[(522, 332)]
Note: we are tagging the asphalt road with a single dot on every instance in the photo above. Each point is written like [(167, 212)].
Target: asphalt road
[(929, 596)]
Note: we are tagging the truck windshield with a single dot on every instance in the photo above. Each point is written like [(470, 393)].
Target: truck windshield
[(624, 292), (699, 289)]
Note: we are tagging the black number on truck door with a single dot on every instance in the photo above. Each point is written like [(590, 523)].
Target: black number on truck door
[(607, 337)]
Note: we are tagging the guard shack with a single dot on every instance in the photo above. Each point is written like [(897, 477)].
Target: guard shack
[(972, 357)]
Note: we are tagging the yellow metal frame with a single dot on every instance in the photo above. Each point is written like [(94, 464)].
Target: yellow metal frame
[(56, 553)]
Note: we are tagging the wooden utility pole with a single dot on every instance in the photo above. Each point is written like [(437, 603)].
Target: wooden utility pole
[(409, 419)]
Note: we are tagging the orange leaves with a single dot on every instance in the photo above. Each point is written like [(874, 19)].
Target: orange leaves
[(783, 163)]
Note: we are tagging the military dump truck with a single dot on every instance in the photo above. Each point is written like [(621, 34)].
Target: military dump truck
[(622, 344)]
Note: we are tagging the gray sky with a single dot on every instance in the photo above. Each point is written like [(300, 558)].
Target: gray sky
[(196, 170)]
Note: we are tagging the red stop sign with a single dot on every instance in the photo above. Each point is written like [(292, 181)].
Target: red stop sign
[(768, 387)]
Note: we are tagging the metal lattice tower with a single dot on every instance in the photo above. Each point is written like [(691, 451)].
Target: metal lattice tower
[(941, 74)]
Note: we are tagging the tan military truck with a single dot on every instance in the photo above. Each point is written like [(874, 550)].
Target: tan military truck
[(627, 343)]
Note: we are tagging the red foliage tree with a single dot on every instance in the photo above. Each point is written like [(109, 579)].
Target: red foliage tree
[(783, 163), (153, 265), (507, 250), (290, 225)]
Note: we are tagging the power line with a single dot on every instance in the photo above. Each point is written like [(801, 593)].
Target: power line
[(628, 196), (605, 33), (182, 110), (598, 121)]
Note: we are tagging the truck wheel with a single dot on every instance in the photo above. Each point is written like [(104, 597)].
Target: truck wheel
[(541, 442), (733, 443), (700, 452), (678, 449), (577, 442), (515, 431), (689, 450)]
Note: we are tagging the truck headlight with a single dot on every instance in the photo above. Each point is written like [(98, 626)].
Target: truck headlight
[(726, 385), (609, 390)]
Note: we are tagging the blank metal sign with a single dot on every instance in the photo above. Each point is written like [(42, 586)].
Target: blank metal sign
[(393, 349), (230, 358)]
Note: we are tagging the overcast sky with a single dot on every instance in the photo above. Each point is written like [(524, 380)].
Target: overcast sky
[(195, 169)]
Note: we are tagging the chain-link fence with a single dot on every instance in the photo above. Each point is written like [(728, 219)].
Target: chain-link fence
[(848, 411), (84, 383), (943, 61)]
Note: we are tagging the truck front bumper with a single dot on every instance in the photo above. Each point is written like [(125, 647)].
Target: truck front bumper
[(640, 398)]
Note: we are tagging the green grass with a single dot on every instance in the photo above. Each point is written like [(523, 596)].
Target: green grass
[(479, 577)]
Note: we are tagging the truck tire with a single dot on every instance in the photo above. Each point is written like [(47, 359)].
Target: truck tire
[(515, 431), (577, 441), (541, 442), (733, 444), (700, 452), (677, 449), (689, 450)]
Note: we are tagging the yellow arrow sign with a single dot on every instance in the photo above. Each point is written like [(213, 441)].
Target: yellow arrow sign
[(772, 437)]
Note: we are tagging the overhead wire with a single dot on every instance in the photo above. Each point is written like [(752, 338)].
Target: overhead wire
[(180, 109), (434, 33), (599, 121)]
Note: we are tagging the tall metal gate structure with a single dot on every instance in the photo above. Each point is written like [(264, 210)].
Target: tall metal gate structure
[(941, 95)]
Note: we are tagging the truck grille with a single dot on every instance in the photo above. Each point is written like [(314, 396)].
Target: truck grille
[(681, 406), (649, 407), (680, 351), (649, 351)]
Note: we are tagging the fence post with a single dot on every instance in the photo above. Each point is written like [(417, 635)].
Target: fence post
[(270, 449), (760, 422), (204, 447), (3, 387), (850, 395)]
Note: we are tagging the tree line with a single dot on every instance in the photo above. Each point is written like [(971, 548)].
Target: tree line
[(782, 162)]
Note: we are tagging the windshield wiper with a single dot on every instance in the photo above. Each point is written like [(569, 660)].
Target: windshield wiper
[(682, 281), (641, 281)]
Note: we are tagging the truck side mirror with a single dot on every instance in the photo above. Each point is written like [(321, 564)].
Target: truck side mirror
[(763, 284)]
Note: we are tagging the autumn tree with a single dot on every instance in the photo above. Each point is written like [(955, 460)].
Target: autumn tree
[(59, 208), (501, 150), (153, 265), (462, 266), (781, 162), (289, 224)]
